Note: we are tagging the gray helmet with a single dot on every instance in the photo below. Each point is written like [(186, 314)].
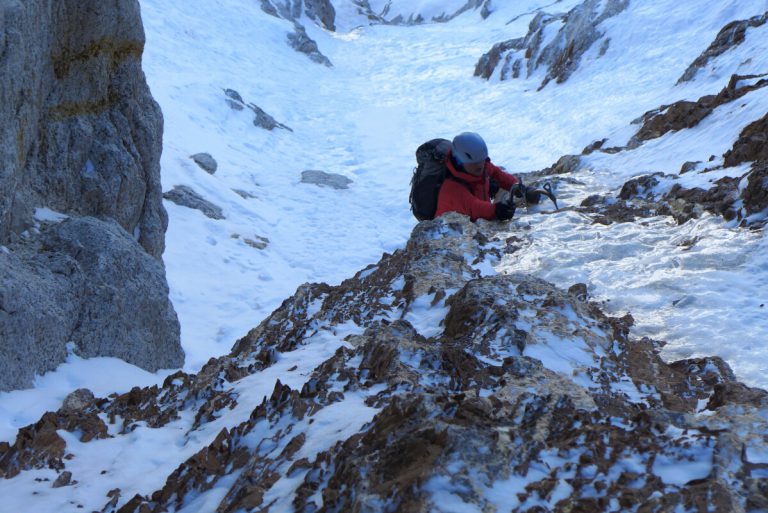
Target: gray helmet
[(469, 148)]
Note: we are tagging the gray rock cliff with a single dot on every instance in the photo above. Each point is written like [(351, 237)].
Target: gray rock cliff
[(81, 135)]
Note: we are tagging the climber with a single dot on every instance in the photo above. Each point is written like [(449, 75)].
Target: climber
[(473, 181)]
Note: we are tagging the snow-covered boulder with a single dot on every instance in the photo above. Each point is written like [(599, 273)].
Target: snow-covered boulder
[(86, 282)]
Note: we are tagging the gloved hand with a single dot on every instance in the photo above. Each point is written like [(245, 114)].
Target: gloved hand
[(494, 188), (505, 210)]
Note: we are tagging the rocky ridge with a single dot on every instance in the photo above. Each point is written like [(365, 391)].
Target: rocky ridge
[(387, 16), (741, 199), (736, 198), (560, 51), (82, 224), (729, 37), (449, 382)]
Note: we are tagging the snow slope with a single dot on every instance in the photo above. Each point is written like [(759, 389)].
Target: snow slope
[(391, 88)]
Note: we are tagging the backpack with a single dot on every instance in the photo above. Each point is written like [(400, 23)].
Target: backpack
[(428, 177)]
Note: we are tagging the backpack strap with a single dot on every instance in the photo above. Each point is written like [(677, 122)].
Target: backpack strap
[(449, 176)]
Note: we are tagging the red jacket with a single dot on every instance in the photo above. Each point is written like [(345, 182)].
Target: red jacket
[(455, 196)]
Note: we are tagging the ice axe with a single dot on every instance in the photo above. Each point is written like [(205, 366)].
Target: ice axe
[(546, 190)]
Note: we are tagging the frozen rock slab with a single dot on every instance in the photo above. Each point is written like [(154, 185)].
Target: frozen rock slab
[(324, 179)]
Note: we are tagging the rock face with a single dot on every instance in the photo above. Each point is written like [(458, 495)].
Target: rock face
[(559, 52), (687, 114), (301, 42), (410, 14), (476, 392), (80, 135), (729, 37), (322, 11), (86, 281)]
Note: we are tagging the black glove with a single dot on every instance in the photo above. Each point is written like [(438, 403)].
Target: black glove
[(504, 210), (493, 189)]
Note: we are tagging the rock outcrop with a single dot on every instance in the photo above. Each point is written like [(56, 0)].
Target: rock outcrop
[(687, 114), (558, 51), (732, 198), (300, 41), (187, 197), (79, 135), (321, 178), (261, 118), (752, 144), (322, 11), (737, 198), (487, 392), (730, 36), (406, 14), (206, 162)]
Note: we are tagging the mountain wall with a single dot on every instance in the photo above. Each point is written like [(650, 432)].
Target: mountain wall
[(82, 224)]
